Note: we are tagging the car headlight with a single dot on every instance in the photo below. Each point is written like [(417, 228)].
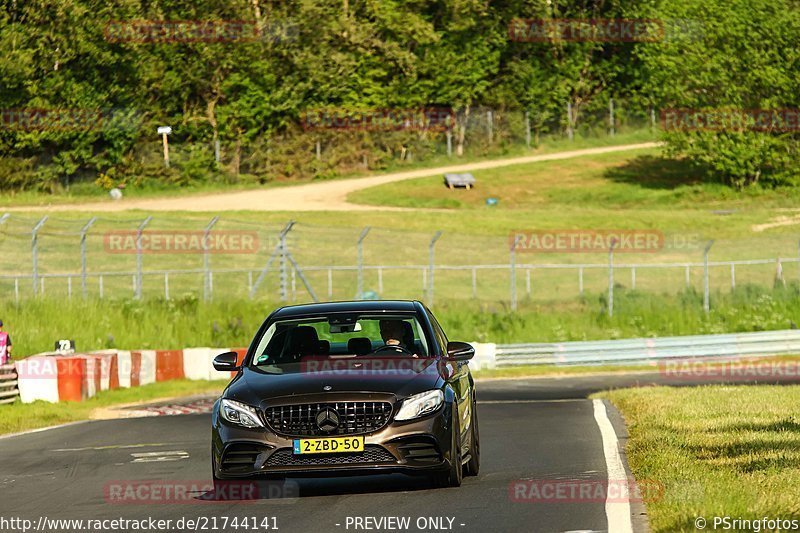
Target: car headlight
[(239, 414), (420, 405)]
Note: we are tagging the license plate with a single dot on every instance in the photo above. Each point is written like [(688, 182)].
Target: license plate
[(329, 445)]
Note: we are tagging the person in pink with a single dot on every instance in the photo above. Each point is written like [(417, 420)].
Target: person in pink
[(5, 345)]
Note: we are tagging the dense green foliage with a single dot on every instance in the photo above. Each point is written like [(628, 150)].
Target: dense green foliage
[(250, 91)]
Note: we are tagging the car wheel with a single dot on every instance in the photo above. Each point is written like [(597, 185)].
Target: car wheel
[(473, 466), (452, 476)]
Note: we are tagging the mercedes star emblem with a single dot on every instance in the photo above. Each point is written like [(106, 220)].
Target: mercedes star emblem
[(327, 419)]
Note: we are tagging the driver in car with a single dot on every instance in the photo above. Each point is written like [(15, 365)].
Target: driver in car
[(392, 333)]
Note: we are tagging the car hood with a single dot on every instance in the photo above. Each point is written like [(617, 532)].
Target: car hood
[(254, 385)]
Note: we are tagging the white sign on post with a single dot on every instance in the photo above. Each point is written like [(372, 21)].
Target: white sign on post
[(164, 130)]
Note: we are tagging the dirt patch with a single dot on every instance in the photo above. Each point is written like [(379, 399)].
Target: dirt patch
[(325, 196)]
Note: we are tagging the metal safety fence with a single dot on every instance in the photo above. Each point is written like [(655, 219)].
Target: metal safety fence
[(221, 257), (649, 350)]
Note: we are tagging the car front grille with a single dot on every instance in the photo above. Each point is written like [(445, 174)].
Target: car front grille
[(354, 418), (371, 454)]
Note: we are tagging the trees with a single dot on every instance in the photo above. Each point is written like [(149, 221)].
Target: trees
[(723, 62), (247, 89)]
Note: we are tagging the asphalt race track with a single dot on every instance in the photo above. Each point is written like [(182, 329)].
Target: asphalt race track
[(535, 429)]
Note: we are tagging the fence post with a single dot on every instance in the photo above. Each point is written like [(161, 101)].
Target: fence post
[(779, 272), (35, 253), (431, 266), (84, 231), (513, 272), (16, 290), (100, 285), (733, 276), (474, 282), (611, 116), (282, 267), (633, 278), (330, 284), (490, 122), (688, 281), (611, 278), (360, 274), (139, 230), (380, 280), (319, 151), (69, 287), (570, 133), (528, 282), (166, 285), (705, 275), (527, 129), (280, 249), (580, 280), (207, 288), (449, 143)]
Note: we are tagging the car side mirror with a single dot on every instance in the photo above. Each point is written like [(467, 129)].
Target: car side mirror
[(226, 362), (460, 351)]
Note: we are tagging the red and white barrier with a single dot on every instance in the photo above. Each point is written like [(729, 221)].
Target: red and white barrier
[(198, 363), (53, 378)]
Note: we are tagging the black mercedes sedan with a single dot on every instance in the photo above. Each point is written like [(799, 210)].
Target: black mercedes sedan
[(347, 388)]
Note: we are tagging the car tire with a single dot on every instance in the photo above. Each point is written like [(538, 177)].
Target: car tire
[(473, 466), (455, 473)]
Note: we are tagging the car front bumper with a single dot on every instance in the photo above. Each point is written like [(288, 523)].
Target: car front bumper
[(414, 447)]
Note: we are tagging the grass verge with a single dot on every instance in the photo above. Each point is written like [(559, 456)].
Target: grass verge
[(22, 417), (188, 322), (716, 450)]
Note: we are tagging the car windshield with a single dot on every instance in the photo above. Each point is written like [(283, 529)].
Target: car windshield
[(294, 341)]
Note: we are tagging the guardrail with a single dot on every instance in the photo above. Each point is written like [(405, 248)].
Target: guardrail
[(642, 351), (9, 390)]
